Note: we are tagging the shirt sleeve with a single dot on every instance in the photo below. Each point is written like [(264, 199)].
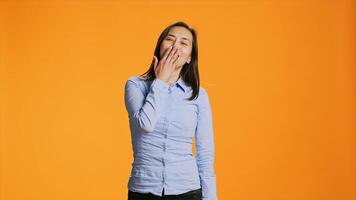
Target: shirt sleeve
[(145, 110), (204, 140)]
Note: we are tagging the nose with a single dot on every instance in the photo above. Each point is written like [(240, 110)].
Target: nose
[(175, 44)]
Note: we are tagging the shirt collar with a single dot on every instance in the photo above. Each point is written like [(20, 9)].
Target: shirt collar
[(182, 84)]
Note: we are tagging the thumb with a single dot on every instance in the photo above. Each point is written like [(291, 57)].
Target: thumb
[(155, 62)]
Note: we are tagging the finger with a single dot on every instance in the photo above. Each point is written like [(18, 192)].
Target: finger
[(155, 59), (175, 59), (169, 59), (166, 53), (174, 56)]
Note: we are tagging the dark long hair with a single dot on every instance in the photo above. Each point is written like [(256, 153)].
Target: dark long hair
[(189, 72)]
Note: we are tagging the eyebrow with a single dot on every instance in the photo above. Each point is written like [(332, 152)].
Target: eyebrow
[(175, 36)]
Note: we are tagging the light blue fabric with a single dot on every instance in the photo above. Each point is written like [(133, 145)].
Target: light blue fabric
[(163, 124)]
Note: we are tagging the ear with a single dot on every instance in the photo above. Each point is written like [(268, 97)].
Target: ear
[(188, 61)]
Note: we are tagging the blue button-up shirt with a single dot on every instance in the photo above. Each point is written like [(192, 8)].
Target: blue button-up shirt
[(163, 123)]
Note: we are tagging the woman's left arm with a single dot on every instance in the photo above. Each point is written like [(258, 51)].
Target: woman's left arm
[(204, 140)]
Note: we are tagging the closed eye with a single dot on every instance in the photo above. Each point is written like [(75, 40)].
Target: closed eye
[(169, 39)]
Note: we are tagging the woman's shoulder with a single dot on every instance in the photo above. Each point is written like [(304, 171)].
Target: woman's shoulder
[(203, 93), (135, 78), (203, 97), (138, 80)]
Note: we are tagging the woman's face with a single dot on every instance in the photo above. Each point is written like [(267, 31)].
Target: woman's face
[(181, 38)]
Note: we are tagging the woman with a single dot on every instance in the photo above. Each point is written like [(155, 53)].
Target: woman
[(167, 107)]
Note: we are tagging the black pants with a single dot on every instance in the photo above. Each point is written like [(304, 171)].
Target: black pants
[(191, 195)]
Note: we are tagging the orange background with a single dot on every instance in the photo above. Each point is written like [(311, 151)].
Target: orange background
[(280, 76)]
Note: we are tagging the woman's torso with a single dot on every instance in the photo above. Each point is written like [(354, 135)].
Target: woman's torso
[(163, 158)]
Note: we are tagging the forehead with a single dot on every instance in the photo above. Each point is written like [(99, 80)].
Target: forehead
[(180, 32)]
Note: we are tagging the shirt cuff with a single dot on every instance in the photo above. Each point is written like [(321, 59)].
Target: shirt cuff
[(208, 185)]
